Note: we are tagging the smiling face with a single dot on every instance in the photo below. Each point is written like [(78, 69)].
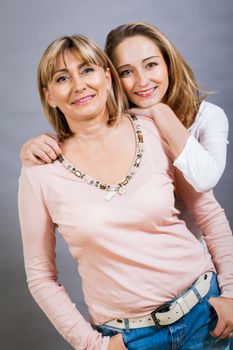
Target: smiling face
[(142, 70), (78, 89)]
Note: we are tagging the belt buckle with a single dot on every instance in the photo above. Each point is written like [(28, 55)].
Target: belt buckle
[(161, 309)]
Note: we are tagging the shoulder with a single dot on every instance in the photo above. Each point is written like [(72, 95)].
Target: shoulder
[(211, 113), (148, 125), (38, 175), (153, 138), (37, 171)]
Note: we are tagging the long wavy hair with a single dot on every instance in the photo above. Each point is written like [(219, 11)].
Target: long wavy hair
[(183, 95)]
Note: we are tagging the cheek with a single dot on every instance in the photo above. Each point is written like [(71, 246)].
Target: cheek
[(127, 85), (165, 79), (98, 82), (59, 99)]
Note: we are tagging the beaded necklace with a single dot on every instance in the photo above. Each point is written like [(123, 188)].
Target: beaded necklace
[(120, 187)]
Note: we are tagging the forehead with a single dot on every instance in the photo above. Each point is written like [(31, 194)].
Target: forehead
[(135, 48), (67, 58)]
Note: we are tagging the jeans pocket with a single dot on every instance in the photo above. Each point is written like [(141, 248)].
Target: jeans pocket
[(107, 330)]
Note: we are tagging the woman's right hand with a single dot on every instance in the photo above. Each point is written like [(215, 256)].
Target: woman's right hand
[(40, 150), (116, 343)]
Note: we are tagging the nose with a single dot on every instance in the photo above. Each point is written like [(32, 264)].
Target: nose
[(142, 79), (78, 83)]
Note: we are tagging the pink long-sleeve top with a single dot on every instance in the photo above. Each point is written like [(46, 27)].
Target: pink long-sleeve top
[(133, 252)]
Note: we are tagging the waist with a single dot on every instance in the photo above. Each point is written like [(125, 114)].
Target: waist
[(172, 310)]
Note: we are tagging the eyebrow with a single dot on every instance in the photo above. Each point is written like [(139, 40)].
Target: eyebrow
[(145, 59), (65, 70)]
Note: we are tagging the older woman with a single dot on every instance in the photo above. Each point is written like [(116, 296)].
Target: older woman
[(111, 196)]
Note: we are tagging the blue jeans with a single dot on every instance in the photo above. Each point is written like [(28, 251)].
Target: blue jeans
[(191, 332)]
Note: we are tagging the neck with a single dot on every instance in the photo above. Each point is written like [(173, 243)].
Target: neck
[(92, 130)]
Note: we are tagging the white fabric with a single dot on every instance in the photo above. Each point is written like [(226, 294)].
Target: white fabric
[(203, 158)]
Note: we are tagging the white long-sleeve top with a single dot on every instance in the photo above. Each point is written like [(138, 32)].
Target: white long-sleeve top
[(203, 158)]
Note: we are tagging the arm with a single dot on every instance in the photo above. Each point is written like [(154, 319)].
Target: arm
[(174, 132), (38, 236), (40, 150), (212, 221), (201, 161)]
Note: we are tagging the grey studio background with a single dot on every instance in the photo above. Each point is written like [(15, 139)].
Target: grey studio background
[(201, 29)]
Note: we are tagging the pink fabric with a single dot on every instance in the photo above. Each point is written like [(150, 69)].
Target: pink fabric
[(134, 252)]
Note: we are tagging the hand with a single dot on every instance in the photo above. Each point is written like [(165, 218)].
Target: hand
[(224, 310), (168, 125), (152, 112), (40, 150), (116, 343)]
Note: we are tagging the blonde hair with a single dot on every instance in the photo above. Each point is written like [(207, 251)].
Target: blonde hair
[(183, 95), (89, 52)]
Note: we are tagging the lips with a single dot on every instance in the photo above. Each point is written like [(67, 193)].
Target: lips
[(146, 92), (83, 100)]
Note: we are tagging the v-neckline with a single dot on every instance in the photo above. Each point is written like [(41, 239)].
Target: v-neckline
[(119, 187)]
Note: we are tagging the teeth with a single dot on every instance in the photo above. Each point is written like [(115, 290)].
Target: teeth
[(85, 99), (145, 93)]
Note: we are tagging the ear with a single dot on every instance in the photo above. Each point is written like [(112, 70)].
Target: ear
[(108, 78), (49, 98)]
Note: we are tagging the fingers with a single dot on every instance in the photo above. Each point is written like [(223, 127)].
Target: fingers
[(53, 150), (45, 155), (52, 136), (219, 329), (224, 326), (40, 150), (222, 330), (122, 345), (137, 111), (144, 112), (116, 343)]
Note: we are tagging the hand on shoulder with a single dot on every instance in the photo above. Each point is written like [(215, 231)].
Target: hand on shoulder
[(40, 150)]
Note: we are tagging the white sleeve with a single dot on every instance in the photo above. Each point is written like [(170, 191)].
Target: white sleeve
[(203, 161)]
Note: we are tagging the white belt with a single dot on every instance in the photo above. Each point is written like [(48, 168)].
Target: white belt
[(169, 313)]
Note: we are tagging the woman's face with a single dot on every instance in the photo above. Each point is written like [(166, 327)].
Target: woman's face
[(142, 70), (78, 89)]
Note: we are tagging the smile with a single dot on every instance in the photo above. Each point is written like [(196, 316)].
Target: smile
[(83, 100), (147, 92)]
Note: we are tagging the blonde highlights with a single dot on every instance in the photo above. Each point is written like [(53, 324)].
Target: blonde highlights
[(183, 95), (88, 52)]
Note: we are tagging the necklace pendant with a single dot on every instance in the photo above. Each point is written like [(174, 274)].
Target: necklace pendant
[(121, 190), (109, 195)]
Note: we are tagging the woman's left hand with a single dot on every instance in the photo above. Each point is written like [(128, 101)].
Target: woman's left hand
[(224, 309)]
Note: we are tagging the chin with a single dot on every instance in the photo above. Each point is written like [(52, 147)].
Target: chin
[(147, 104)]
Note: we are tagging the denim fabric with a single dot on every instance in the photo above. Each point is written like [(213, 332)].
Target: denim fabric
[(191, 332)]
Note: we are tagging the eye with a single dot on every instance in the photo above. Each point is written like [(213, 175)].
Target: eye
[(151, 65), (125, 73), (87, 70), (61, 79)]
